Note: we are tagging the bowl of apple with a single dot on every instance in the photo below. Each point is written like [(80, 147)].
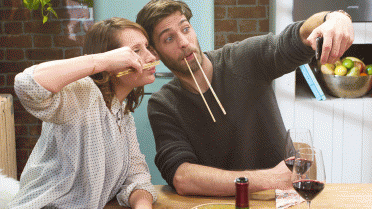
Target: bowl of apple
[(347, 78)]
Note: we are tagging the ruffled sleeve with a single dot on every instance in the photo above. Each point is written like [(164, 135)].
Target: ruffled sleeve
[(61, 107)]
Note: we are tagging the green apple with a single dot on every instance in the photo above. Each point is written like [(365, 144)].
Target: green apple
[(369, 69)]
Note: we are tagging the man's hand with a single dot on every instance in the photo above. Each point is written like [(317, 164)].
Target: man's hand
[(338, 35), (281, 176)]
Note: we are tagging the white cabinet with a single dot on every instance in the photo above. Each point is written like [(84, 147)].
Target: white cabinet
[(342, 128)]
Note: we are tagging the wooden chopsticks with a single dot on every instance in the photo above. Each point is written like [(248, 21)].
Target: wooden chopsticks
[(132, 70), (210, 86), (201, 93)]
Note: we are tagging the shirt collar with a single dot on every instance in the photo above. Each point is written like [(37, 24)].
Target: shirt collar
[(116, 106)]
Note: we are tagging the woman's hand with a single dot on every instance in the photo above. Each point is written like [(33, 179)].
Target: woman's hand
[(117, 60), (140, 199)]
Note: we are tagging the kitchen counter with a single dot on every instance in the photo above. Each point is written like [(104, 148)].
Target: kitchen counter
[(333, 196)]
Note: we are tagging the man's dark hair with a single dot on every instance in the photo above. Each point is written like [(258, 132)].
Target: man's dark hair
[(156, 10)]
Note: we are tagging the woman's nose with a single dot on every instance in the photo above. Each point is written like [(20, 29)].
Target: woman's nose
[(149, 56)]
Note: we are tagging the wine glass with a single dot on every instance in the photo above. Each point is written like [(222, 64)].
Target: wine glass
[(296, 138), (308, 176)]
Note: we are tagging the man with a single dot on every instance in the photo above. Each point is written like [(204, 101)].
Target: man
[(200, 157)]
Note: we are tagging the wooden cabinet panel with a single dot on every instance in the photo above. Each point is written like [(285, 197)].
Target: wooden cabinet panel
[(359, 33), (367, 142), (352, 144), (337, 142), (8, 162), (323, 126), (369, 33)]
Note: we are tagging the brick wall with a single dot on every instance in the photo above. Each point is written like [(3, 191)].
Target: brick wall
[(25, 41), (236, 20)]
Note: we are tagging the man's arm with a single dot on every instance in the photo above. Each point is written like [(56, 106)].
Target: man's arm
[(193, 179), (337, 32)]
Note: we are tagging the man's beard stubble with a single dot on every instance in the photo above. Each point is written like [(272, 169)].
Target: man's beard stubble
[(176, 66)]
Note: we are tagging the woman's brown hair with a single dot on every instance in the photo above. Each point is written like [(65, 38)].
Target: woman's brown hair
[(103, 37)]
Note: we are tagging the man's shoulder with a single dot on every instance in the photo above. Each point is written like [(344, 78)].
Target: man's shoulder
[(249, 42)]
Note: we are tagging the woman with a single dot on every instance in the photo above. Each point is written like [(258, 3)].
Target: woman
[(88, 150)]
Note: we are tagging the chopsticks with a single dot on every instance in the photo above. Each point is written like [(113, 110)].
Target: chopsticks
[(201, 93), (132, 70), (210, 86)]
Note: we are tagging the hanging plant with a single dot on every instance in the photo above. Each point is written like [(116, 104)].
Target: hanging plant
[(46, 7)]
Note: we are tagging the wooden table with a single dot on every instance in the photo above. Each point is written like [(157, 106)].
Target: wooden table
[(333, 196)]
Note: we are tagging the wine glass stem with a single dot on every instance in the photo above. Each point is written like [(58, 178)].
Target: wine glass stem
[(308, 203)]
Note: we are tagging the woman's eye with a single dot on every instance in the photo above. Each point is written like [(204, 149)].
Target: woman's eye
[(136, 50)]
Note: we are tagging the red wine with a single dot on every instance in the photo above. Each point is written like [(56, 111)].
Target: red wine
[(308, 189), (290, 162), (302, 165)]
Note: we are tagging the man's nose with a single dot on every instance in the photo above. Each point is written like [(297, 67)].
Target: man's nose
[(183, 41)]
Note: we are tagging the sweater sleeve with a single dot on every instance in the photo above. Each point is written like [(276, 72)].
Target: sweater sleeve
[(266, 57), (172, 147)]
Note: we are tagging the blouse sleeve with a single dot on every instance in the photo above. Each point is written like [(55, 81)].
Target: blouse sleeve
[(138, 174), (60, 107)]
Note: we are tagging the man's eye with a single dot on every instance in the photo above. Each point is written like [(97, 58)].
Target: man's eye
[(186, 29), (169, 39)]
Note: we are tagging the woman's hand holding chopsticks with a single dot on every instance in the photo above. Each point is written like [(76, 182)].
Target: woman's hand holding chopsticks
[(54, 75), (117, 60)]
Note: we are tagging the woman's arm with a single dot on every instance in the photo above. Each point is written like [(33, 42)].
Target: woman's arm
[(54, 75)]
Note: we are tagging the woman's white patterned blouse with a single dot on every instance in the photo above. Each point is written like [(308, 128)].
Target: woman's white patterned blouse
[(82, 159)]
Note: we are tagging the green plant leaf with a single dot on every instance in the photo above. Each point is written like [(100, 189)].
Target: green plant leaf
[(50, 9), (44, 2), (31, 4), (90, 3), (27, 3), (35, 4), (45, 19)]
